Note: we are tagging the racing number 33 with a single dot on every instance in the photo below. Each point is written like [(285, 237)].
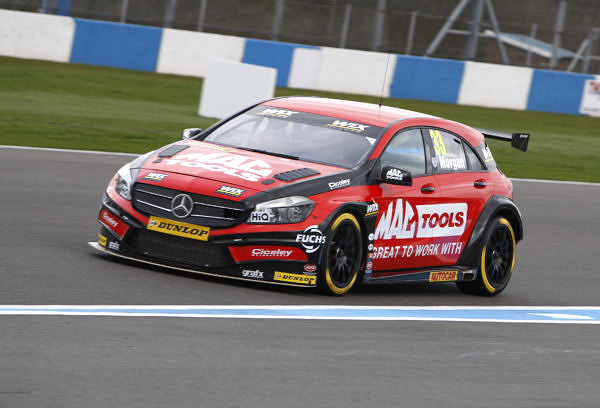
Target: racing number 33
[(438, 142)]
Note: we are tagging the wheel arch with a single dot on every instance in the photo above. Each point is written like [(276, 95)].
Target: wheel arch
[(497, 206)]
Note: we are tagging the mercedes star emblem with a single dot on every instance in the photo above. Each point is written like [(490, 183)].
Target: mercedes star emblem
[(182, 205)]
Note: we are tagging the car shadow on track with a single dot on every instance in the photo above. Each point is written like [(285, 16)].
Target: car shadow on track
[(426, 293)]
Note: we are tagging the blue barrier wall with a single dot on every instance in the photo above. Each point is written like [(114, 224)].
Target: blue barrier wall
[(116, 45), (272, 54), (559, 92), (440, 83)]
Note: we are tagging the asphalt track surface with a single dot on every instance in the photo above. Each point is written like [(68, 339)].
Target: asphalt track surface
[(48, 206)]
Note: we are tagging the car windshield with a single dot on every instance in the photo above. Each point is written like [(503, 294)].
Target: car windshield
[(299, 135)]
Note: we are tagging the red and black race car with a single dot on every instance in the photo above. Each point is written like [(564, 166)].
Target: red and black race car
[(323, 193)]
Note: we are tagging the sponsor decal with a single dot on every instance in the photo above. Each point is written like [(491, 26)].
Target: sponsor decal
[(259, 216), (252, 253), (452, 163), (295, 278), (180, 229), (113, 223), (355, 127), (394, 174), (487, 154), (113, 245), (402, 221), (371, 236), (280, 113), (271, 253), (311, 239), (443, 276), (372, 209), (231, 191), (154, 176), (310, 268), (408, 251), (257, 274), (370, 247), (236, 165), (102, 240), (334, 185)]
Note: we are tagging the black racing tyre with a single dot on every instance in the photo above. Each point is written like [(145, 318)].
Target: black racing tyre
[(341, 261), (497, 260)]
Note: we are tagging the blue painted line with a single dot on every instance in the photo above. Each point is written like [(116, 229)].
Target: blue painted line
[(546, 314)]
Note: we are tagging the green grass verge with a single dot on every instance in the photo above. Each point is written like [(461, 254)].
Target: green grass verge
[(96, 108)]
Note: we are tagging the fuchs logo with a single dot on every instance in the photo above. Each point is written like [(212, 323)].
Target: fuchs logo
[(155, 176), (355, 127), (281, 113), (401, 221), (311, 239), (236, 165), (372, 209), (252, 274), (234, 192), (394, 174), (334, 185)]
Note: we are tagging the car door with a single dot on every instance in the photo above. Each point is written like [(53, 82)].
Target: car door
[(464, 188), (398, 242)]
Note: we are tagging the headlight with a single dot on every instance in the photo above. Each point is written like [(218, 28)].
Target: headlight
[(288, 210), (123, 185), (127, 174)]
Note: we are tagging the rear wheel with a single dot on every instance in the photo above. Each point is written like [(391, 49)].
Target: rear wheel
[(497, 260), (341, 264)]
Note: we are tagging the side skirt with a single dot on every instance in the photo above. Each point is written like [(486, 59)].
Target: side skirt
[(453, 274)]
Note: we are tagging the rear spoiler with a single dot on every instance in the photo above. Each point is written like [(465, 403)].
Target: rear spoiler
[(517, 140)]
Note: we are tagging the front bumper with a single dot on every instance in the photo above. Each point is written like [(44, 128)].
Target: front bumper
[(269, 257)]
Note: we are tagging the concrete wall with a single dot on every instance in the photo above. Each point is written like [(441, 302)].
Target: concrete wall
[(64, 39)]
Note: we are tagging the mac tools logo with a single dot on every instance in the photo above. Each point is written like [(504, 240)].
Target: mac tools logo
[(401, 220), (236, 165)]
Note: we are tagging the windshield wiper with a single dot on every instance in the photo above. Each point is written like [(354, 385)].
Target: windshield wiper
[(286, 156)]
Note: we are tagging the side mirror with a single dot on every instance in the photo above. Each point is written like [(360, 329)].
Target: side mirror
[(394, 175), (190, 133)]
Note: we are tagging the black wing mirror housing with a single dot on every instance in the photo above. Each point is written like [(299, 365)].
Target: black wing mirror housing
[(394, 175)]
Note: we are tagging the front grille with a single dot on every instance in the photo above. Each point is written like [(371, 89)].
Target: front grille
[(208, 211), (177, 249)]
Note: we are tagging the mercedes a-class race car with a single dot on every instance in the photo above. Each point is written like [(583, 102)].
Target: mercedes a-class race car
[(323, 193)]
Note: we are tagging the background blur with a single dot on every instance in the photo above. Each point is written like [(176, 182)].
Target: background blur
[(396, 26)]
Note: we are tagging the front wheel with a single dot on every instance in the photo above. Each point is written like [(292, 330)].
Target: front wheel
[(341, 262), (497, 260)]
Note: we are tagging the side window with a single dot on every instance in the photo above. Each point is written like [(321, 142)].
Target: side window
[(448, 153), (406, 151), (472, 159)]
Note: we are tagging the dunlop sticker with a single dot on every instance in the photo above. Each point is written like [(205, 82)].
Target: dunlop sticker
[(181, 229), (295, 278)]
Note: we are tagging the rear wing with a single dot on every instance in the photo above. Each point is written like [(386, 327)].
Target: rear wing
[(517, 140)]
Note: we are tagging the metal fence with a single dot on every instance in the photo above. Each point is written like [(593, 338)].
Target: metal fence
[(398, 26)]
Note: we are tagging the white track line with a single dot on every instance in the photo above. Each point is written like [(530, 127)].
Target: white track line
[(49, 149)]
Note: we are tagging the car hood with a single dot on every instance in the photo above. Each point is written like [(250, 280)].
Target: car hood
[(203, 168)]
